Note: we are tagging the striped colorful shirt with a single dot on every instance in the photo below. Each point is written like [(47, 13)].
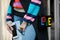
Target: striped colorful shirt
[(32, 11)]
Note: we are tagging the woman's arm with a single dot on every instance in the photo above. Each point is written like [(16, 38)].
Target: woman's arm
[(31, 14), (9, 17), (32, 11)]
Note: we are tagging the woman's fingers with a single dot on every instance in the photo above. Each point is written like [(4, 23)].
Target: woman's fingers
[(22, 26), (22, 29), (9, 28)]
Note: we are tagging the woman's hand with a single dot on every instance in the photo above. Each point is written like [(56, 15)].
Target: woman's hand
[(23, 25), (9, 28)]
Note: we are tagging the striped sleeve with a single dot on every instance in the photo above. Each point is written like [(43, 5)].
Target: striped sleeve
[(9, 14), (32, 11)]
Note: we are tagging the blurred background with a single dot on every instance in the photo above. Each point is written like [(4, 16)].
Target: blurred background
[(4, 34)]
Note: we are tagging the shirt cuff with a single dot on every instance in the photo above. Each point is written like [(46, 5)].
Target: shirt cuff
[(29, 18)]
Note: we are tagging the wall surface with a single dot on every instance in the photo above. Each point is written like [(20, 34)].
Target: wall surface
[(0, 22), (4, 34)]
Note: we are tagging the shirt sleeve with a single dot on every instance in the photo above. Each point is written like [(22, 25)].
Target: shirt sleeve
[(32, 11), (9, 14)]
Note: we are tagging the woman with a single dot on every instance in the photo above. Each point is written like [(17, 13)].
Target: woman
[(19, 11), (24, 12)]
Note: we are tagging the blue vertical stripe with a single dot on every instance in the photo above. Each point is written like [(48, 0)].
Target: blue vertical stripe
[(9, 9), (31, 8), (36, 10)]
